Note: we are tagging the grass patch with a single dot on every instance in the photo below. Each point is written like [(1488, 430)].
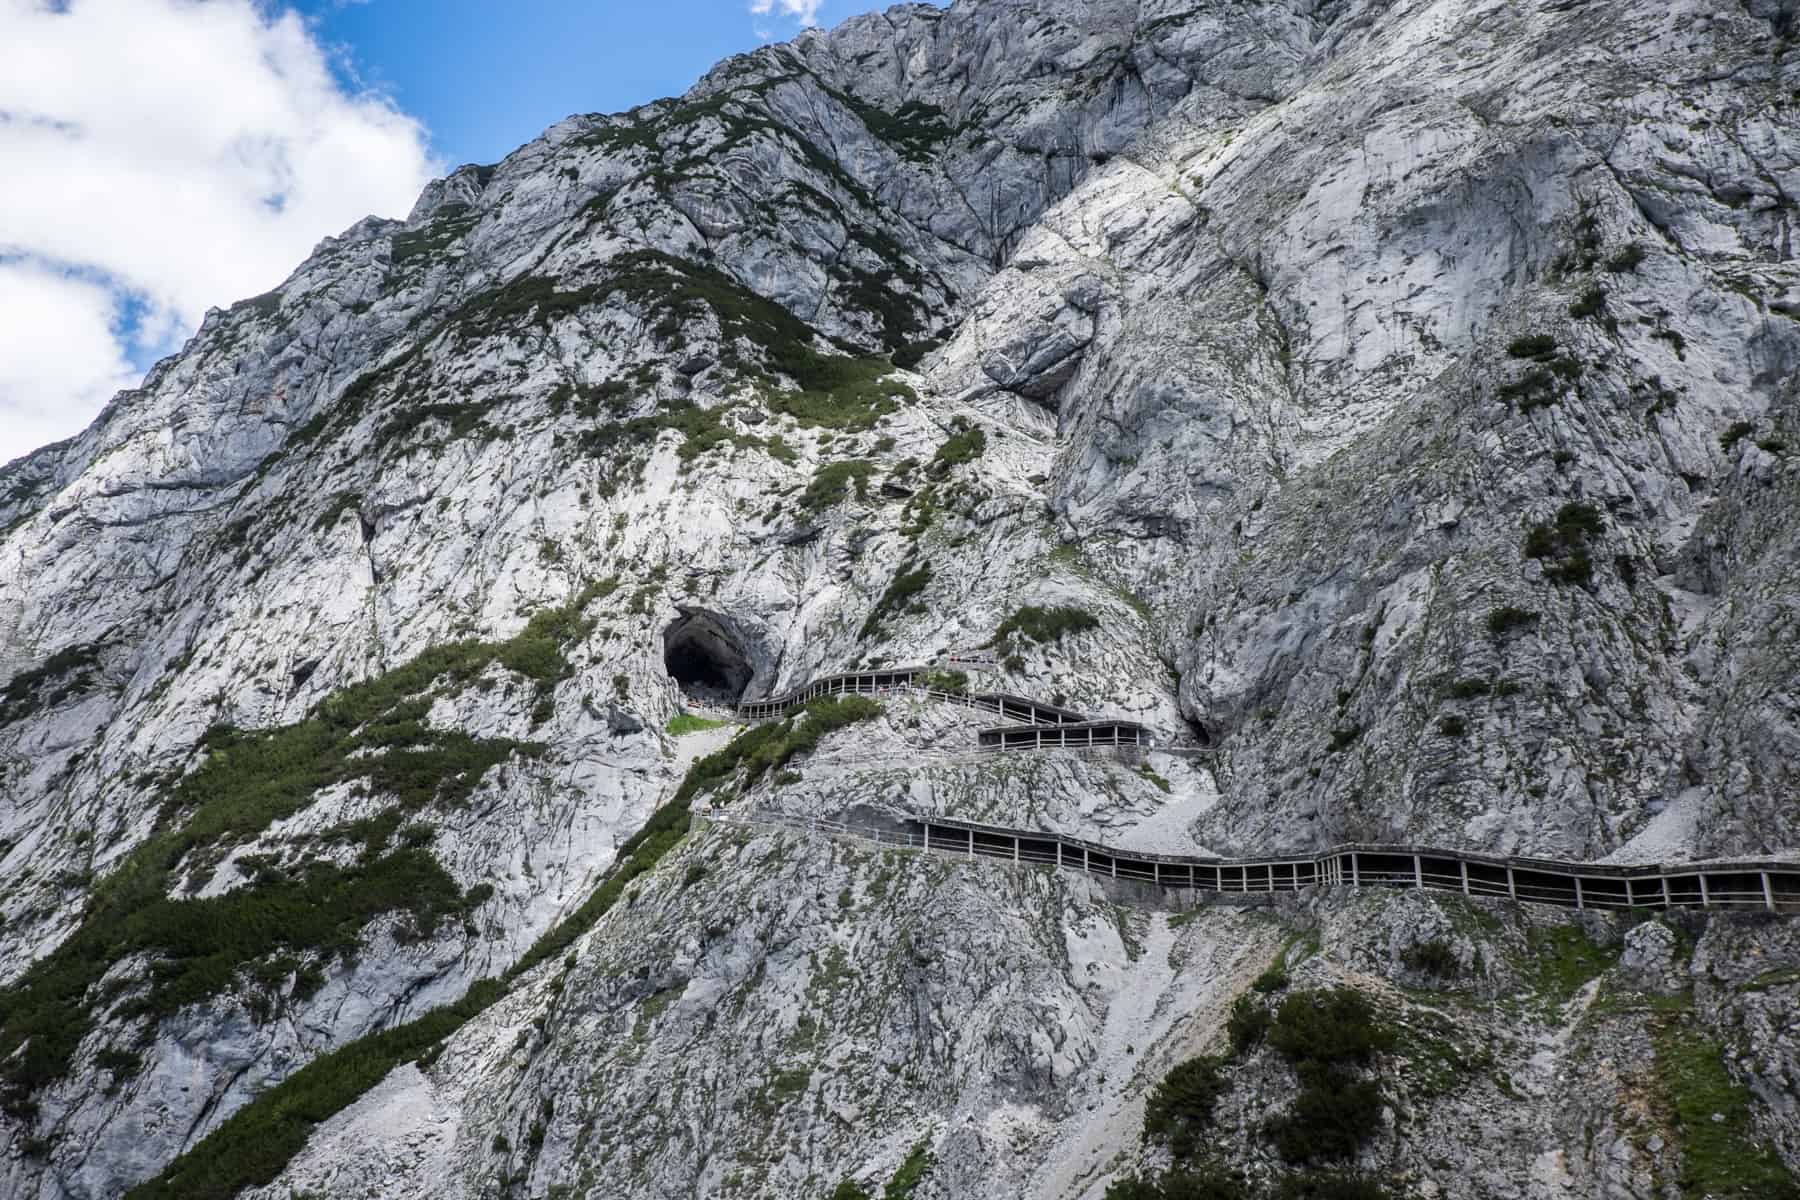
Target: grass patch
[(682, 724), (1721, 1157), (1563, 961)]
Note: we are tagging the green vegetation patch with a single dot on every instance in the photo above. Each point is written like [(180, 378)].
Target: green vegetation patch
[(1180, 1107), (1565, 543), (1032, 623), (374, 732), (911, 1172), (832, 484), (253, 1147), (1721, 1156), (906, 584), (1562, 961), (1327, 1036), (768, 747), (682, 724), (963, 446), (48, 684)]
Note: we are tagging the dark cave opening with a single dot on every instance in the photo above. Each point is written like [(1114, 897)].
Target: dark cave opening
[(702, 656)]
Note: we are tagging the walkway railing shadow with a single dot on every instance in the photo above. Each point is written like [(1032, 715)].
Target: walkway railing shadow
[(1756, 885)]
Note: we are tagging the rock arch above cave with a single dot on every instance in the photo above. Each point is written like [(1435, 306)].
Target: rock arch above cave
[(707, 658)]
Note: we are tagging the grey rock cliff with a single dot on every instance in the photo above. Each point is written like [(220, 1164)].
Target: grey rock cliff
[(1406, 389)]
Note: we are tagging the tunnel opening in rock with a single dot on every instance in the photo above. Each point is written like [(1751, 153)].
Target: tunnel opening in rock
[(704, 658)]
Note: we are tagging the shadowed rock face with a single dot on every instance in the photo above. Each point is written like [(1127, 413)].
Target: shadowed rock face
[(1407, 390), (706, 659)]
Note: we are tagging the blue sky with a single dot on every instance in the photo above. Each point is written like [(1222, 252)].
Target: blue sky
[(486, 77), (165, 157)]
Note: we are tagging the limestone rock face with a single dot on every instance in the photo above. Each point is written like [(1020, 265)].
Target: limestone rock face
[(1404, 391)]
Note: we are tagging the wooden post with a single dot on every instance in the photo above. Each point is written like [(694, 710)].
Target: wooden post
[(1464, 864), (1059, 852), (1579, 902), (1667, 902), (928, 835), (1768, 892), (1015, 849), (1084, 861), (1512, 885), (971, 843), (1705, 897), (1156, 872), (1355, 871), (1418, 873), (1115, 863)]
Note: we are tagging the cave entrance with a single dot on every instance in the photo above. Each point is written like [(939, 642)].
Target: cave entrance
[(705, 658)]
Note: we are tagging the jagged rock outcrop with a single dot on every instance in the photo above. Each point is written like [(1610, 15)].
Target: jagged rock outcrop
[(1403, 392)]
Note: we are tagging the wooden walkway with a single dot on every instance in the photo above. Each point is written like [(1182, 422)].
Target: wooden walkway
[(1770, 885), (1038, 726)]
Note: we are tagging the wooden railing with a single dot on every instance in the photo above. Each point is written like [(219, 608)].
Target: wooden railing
[(1054, 726), (1769, 885)]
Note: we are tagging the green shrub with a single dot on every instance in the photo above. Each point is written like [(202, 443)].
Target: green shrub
[(1565, 543), (1342, 738), (956, 682), (1469, 688), (1452, 726), (1273, 979), (1330, 1027), (1627, 259), (1737, 432), (1042, 625), (908, 582), (832, 483), (1330, 1117), (964, 446), (1207, 1183), (1180, 1107), (1326, 1035), (1248, 1023), (848, 1189), (30, 692), (1433, 957), (910, 1172), (1591, 302), (1539, 346), (1330, 1185)]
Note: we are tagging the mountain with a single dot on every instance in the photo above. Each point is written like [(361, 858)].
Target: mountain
[(1390, 404)]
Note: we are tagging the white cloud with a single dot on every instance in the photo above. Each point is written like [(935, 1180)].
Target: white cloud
[(806, 12), (59, 358), (169, 156)]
